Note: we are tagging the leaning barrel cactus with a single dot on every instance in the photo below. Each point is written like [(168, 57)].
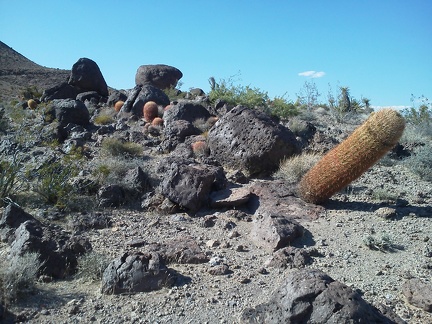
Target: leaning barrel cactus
[(347, 161)]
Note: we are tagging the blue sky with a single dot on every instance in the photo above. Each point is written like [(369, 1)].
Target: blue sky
[(380, 49)]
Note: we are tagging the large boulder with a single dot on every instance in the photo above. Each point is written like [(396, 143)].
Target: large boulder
[(311, 296), (69, 111), (188, 183), (161, 76), (186, 110), (13, 216), (60, 91), (136, 272), (250, 141), (87, 76)]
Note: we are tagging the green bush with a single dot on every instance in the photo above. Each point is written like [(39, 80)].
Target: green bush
[(9, 177), (250, 97), (53, 182), (103, 119), (117, 147), (91, 266), (18, 276)]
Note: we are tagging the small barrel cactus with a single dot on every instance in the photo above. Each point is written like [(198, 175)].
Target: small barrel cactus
[(150, 111), (199, 148), (351, 158), (157, 121), (32, 104), (118, 105)]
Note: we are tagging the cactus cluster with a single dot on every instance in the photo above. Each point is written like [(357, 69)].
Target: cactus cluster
[(150, 111), (351, 158)]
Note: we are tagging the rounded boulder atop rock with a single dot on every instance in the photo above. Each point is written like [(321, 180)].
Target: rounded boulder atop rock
[(87, 76), (159, 75)]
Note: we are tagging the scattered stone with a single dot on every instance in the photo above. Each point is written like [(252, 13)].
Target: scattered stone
[(233, 234), (386, 212), (219, 270), (229, 197), (111, 196), (289, 257), (418, 293), (136, 272), (212, 243), (184, 250), (273, 232)]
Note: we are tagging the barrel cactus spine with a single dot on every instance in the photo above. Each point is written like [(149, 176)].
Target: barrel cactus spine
[(351, 158)]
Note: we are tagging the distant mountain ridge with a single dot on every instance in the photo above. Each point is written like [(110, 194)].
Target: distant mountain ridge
[(18, 72)]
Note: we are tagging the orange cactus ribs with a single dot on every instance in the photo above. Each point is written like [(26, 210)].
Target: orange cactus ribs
[(351, 158)]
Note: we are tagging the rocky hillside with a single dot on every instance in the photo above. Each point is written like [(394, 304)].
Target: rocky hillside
[(18, 73), (155, 206)]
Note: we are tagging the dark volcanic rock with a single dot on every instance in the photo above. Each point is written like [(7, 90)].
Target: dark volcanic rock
[(160, 76), (136, 272), (186, 110), (13, 217), (149, 93), (58, 251), (249, 140), (188, 183), (87, 76), (111, 196), (60, 91), (69, 111), (311, 296)]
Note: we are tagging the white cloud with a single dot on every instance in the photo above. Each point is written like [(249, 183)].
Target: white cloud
[(312, 74)]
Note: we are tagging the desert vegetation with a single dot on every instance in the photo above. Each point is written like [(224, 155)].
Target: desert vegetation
[(129, 180)]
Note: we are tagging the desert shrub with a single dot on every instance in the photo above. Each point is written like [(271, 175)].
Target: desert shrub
[(30, 93), (117, 147), (282, 108), (111, 170), (251, 97), (103, 119), (420, 163), (293, 168), (53, 182), (383, 195), (18, 276), (420, 118), (9, 177), (91, 266), (381, 243)]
